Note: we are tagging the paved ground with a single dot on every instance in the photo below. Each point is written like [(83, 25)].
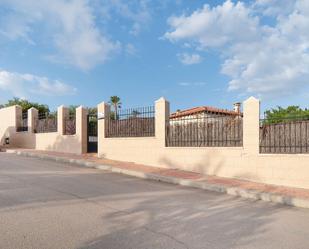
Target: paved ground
[(51, 205)]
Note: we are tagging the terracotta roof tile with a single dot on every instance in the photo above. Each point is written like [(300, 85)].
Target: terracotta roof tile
[(202, 109)]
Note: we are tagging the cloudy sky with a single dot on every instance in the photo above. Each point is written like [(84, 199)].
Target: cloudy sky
[(192, 52)]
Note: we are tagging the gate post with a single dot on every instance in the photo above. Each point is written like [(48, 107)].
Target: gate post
[(33, 114), (81, 127), (103, 115), (162, 107), (62, 114), (251, 126)]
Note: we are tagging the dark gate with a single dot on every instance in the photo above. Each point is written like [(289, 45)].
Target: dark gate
[(92, 134)]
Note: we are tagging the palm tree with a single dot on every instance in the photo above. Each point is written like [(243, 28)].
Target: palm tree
[(115, 102)]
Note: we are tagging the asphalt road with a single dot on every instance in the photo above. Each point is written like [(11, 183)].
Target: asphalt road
[(45, 205)]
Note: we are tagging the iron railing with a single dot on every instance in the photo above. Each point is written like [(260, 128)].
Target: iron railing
[(284, 135), (70, 124), (92, 133), (92, 125), (23, 125), (205, 131), (47, 122), (134, 122)]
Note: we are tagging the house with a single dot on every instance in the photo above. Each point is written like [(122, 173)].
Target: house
[(208, 113)]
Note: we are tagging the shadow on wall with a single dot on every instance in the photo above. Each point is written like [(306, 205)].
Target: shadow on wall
[(210, 164), (65, 144), (215, 164), (18, 139), (182, 218), (42, 141), (7, 134)]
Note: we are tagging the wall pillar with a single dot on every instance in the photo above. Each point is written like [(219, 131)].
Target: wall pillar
[(33, 115), (62, 114), (81, 127), (162, 113), (251, 126), (10, 122), (18, 115), (103, 115)]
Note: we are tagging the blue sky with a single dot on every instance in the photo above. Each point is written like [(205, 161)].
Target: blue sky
[(191, 52)]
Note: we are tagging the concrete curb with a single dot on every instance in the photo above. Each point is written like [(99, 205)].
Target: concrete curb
[(235, 191)]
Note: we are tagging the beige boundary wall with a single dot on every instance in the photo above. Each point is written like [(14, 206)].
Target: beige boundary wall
[(8, 122), (236, 162), (53, 141)]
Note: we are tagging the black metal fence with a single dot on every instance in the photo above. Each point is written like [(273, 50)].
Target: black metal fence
[(135, 122), (205, 131), (70, 124), (23, 124), (47, 122), (92, 133), (284, 135)]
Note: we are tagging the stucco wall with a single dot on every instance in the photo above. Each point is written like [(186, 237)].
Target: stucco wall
[(8, 122), (239, 162), (48, 141), (236, 162), (54, 141), (288, 170)]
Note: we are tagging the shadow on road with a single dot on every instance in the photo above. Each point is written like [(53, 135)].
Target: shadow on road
[(142, 214)]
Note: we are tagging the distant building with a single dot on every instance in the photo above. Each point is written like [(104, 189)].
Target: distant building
[(206, 112)]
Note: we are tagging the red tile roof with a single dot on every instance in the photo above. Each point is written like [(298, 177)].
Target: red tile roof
[(201, 109)]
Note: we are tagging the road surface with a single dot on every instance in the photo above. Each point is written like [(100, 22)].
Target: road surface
[(45, 204)]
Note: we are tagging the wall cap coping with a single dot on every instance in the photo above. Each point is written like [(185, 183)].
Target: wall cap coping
[(32, 108), (81, 107), (8, 107), (62, 107), (162, 99), (251, 99), (103, 103)]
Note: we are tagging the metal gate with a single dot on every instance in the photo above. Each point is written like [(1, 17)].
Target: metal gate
[(92, 134)]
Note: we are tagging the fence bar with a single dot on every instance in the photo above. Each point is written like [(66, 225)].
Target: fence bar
[(47, 122), (133, 122), (23, 125), (284, 135), (204, 131), (70, 124)]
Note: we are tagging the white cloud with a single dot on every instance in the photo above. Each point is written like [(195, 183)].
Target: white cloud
[(189, 59), (137, 12), (274, 7), (76, 32), (25, 85), (131, 49), (214, 27), (198, 83), (262, 59), (70, 25)]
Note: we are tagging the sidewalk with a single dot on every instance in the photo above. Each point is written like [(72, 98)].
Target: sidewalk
[(251, 190)]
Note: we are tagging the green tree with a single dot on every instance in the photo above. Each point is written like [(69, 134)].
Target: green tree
[(92, 110), (25, 105), (116, 104), (280, 114), (72, 110)]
